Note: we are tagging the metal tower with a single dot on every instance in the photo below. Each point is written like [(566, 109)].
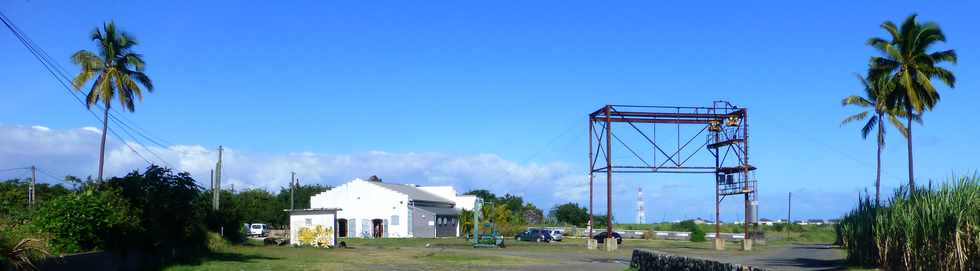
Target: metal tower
[(641, 217)]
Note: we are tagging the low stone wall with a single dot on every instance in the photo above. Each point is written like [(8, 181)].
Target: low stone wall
[(647, 260)]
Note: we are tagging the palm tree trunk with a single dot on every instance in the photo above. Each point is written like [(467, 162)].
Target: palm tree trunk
[(909, 140), (105, 129), (881, 137)]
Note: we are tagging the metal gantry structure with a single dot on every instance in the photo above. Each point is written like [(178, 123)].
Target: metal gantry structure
[(725, 131)]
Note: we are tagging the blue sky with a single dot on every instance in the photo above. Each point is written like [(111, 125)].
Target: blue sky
[(505, 82)]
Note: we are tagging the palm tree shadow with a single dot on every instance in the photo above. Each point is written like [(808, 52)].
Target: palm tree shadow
[(219, 257), (809, 263)]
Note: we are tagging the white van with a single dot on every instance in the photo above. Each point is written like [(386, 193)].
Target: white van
[(258, 229)]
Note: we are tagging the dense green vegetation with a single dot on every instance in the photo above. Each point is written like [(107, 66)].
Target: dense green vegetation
[(923, 229), (509, 213), (155, 211)]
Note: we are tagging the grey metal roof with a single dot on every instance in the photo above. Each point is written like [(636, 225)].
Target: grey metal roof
[(440, 210), (413, 193)]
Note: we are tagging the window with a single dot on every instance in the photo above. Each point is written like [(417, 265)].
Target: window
[(309, 222), (394, 220)]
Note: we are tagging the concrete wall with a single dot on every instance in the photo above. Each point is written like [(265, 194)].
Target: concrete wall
[(648, 260), (310, 220)]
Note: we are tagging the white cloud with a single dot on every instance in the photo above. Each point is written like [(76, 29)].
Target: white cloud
[(62, 152), (92, 129), (75, 152)]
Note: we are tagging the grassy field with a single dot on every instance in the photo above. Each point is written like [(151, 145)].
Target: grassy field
[(442, 254)]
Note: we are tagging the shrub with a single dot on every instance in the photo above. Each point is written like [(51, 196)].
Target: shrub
[(925, 229), (86, 221), (172, 218), (697, 235)]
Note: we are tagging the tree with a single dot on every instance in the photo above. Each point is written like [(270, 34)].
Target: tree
[(13, 196), (530, 214), (483, 194), (92, 219), (599, 221), (570, 213), (118, 72), (906, 58), (171, 216), (302, 197), (876, 92)]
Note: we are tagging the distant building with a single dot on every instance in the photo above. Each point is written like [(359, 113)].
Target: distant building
[(375, 209), (766, 221)]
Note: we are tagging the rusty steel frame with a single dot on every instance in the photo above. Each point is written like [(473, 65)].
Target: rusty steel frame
[(726, 137)]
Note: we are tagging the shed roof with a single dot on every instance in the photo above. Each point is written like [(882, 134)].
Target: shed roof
[(440, 210), (413, 193)]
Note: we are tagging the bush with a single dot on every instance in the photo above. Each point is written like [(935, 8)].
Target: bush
[(697, 235), (86, 221), (173, 216), (928, 228)]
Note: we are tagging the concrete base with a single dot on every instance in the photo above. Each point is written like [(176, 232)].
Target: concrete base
[(593, 244), (719, 244), (611, 244), (747, 244)]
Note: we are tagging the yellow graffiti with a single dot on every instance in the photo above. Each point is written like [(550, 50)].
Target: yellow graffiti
[(318, 236)]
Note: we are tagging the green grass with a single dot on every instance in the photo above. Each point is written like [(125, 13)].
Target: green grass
[(442, 254)]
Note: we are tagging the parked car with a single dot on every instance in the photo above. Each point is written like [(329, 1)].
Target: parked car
[(258, 229), (601, 237), (537, 235), (556, 234)]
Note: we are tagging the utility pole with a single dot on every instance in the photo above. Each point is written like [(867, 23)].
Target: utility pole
[(789, 209), (292, 191), (30, 192), (216, 184)]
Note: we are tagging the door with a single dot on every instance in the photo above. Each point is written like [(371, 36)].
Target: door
[(342, 227), (377, 228)]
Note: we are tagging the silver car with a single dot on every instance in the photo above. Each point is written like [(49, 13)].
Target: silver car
[(556, 234)]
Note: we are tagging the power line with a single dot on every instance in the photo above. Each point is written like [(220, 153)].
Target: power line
[(59, 74)]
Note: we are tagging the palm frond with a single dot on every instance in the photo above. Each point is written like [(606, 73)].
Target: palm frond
[(868, 127), (855, 117), (899, 125), (892, 29), (943, 56), (856, 100)]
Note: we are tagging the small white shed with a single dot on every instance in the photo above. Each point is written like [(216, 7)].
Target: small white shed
[(313, 227)]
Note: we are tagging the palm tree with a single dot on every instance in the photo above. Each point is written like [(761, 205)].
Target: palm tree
[(876, 93), (117, 70), (907, 59)]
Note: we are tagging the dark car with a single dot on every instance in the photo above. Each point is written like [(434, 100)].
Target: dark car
[(536, 235), (601, 237)]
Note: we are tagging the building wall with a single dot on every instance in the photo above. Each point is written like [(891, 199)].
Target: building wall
[(361, 202), (447, 226), (423, 223), (310, 220)]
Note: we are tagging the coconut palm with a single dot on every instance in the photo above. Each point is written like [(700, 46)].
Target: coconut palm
[(117, 72), (875, 99), (907, 59)]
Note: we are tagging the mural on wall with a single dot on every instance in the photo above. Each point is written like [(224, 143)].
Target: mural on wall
[(318, 236)]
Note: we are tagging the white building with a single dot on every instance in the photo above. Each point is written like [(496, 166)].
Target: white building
[(378, 209), (315, 227)]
